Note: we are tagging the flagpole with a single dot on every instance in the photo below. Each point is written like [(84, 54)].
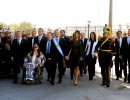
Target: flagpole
[(110, 14)]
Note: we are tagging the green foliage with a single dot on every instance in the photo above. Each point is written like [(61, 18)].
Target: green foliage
[(1, 27), (23, 26)]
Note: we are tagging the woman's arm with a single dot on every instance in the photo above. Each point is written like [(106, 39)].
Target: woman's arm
[(43, 59)]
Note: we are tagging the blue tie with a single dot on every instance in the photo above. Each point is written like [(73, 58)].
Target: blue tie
[(48, 46), (39, 39), (18, 40), (57, 40)]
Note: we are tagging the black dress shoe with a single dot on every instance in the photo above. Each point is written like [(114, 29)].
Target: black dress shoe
[(117, 78), (108, 85), (52, 83), (103, 84), (23, 82), (121, 76), (90, 79), (85, 72), (59, 82), (125, 79), (75, 84), (14, 82)]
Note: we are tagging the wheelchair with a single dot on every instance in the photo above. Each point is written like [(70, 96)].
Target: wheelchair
[(33, 74)]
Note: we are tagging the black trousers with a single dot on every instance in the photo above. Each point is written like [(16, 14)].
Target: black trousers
[(105, 62), (118, 66), (57, 61), (18, 63), (106, 71), (129, 69), (91, 65), (82, 67), (6, 68), (125, 60), (48, 67)]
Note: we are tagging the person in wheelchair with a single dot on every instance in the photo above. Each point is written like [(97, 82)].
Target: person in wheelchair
[(33, 66)]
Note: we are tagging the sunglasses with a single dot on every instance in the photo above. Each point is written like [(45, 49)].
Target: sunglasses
[(35, 47)]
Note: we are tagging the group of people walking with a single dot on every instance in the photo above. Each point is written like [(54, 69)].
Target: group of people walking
[(58, 51)]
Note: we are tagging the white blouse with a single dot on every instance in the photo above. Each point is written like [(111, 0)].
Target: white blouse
[(33, 58)]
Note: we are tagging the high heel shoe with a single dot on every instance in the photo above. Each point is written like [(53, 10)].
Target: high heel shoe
[(75, 83)]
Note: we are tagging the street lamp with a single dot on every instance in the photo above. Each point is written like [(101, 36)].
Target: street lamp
[(120, 27), (88, 27), (34, 26), (127, 26)]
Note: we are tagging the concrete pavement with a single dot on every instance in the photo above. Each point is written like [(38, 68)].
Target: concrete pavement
[(85, 90)]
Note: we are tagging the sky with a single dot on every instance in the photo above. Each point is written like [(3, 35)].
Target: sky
[(62, 13)]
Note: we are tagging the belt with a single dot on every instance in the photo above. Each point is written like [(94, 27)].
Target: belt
[(106, 50)]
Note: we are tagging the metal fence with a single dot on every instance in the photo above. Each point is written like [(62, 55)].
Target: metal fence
[(97, 29)]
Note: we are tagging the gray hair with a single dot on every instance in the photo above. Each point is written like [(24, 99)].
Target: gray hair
[(56, 30)]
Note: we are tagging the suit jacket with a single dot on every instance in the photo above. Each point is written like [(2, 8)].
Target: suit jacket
[(117, 47), (1, 50), (6, 55), (30, 43), (67, 41), (54, 52), (41, 44), (125, 50), (19, 51), (4, 40), (84, 43)]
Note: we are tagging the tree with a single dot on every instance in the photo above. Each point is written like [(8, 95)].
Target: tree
[(3, 26), (14, 27), (23, 26)]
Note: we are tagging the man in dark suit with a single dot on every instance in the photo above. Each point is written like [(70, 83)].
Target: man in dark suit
[(19, 49), (83, 64), (31, 41), (40, 39), (67, 41), (57, 56), (7, 60), (6, 37), (118, 58), (1, 37), (125, 53), (1, 50), (47, 47)]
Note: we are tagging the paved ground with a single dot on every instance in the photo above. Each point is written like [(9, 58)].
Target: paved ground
[(85, 90)]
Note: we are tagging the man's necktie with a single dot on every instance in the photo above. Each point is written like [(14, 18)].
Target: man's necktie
[(57, 40), (48, 46), (18, 41), (39, 39)]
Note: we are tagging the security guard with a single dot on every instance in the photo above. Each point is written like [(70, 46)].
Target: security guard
[(105, 47)]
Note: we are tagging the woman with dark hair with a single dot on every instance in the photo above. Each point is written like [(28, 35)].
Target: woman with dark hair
[(75, 55), (36, 60), (91, 54)]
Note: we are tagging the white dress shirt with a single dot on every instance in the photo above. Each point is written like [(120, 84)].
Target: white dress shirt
[(33, 58), (120, 41), (39, 38)]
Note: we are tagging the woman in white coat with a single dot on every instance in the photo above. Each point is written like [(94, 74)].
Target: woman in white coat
[(91, 54)]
